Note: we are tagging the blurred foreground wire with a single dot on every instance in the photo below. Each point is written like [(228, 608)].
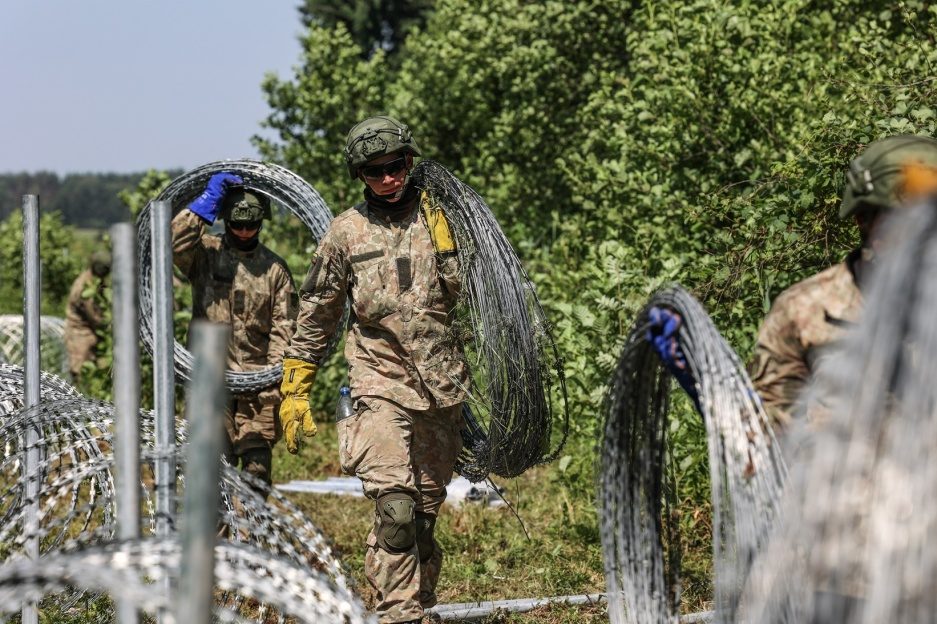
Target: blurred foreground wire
[(857, 536)]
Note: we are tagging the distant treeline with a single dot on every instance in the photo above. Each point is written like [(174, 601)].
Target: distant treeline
[(83, 199)]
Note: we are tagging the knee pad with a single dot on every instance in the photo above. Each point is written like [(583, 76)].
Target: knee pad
[(425, 523), (395, 526)]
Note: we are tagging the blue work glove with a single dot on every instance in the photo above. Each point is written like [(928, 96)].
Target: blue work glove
[(208, 203), (664, 337)]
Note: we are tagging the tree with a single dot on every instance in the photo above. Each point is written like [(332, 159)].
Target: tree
[(624, 145), (59, 264), (333, 89), (373, 24)]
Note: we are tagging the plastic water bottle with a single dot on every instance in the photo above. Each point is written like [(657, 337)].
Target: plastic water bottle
[(344, 409)]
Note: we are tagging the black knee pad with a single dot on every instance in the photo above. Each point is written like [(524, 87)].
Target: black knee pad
[(395, 526), (425, 523)]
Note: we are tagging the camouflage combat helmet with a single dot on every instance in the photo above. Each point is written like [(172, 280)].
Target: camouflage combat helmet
[(375, 137), (879, 176), (101, 263), (243, 205)]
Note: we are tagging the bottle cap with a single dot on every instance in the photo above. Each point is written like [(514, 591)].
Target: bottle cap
[(344, 391)]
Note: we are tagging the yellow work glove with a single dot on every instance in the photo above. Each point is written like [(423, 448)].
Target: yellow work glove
[(438, 226), (295, 415)]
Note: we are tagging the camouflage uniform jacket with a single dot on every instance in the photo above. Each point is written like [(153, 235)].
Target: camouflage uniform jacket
[(82, 318), (803, 322), (252, 291), (400, 343)]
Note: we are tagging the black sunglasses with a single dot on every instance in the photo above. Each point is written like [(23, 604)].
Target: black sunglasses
[(376, 172), (244, 225)]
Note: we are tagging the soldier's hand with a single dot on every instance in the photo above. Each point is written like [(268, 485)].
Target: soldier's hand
[(208, 203), (297, 419), (663, 334), (295, 414)]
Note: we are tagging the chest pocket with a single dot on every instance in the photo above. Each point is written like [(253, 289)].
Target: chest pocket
[(372, 289)]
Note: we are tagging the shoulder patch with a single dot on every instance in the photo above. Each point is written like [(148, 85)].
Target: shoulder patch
[(313, 275)]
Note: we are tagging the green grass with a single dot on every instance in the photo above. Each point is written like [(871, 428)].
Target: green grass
[(488, 556)]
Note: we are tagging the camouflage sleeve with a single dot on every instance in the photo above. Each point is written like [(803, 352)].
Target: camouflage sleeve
[(778, 368), (322, 299), (79, 331), (187, 230), (284, 314)]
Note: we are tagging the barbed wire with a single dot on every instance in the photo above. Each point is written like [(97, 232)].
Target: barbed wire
[(637, 497), (76, 497), (133, 571), (280, 185), (517, 371), (52, 352)]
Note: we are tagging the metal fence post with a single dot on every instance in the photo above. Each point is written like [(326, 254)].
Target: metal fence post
[(164, 378), (205, 405), (126, 393), (31, 330)]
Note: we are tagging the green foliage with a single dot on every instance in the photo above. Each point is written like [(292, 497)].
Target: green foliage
[(334, 89), (148, 188), (59, 262), (373, 24), (626, 145), (83, 199)]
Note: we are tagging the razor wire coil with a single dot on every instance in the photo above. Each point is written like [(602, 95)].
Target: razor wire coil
[(53, 354), (511, 416), (640, 537), (76, 495), (279, 184), (133, 570)]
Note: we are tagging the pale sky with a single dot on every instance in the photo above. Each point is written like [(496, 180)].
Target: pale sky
[(130, 85)]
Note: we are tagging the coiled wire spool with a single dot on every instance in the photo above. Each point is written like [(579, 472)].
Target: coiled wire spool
[(76, 503), (517, 371), (52, 353), (857, 537), (133, 571), (279, 184), (12, 388), (640, 537), (76, 494)]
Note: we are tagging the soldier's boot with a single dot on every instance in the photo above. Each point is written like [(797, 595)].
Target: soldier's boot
[(258, 462), (430, 558)]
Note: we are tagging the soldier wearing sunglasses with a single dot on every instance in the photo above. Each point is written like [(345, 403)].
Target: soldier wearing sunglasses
[(238, 281), (393, 259)]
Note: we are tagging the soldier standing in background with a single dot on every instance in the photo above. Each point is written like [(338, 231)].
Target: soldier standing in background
[(810, 316), (83, 316), (392, 257), (238, 281)]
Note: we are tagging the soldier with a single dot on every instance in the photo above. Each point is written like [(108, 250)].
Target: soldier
[(393, 259), (83, 316), (811, 315), (238, 281)]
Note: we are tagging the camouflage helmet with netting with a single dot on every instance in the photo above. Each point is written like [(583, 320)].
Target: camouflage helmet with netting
[(375, 137), (242, 205), (879, 177)]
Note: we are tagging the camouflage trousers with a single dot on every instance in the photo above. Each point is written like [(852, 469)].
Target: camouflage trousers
[(393, 449)]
